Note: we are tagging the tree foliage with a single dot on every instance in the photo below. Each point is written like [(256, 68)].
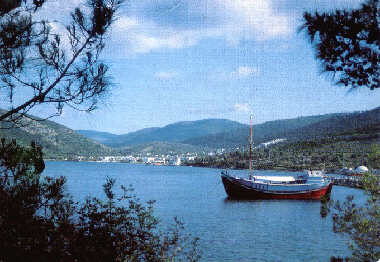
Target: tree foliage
[(359, 223), (38, 221), (374, 157), (348, 43), (59, 67)]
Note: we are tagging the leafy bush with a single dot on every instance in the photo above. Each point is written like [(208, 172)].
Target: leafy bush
[(40, 222), (359, 223)]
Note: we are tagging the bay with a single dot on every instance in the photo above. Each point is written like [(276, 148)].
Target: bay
[(229, 230)]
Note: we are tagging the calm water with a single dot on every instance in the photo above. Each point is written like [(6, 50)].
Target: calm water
[(265, 230)]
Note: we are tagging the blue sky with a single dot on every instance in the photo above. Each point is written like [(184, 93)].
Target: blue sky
[(176, 60)]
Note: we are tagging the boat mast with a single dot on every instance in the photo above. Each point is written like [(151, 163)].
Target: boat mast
[(250, 146)]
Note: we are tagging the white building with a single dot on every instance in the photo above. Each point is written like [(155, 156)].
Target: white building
[(361, 170)]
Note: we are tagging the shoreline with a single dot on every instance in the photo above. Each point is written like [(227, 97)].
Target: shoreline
[(187, 165)]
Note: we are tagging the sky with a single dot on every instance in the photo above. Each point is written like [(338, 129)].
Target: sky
[(182, 60)]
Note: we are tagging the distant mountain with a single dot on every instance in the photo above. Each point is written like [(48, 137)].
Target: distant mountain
[(338, 125), (159, 148), (101, 137), (173, 133), (133, 138), (218, 133), (193, 136), (261, 133), (297, 129), (56, 140)]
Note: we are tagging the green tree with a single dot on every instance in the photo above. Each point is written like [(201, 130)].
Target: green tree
[(374, 157), (49, 66), (38, 220), (347, 43), (359, 223)]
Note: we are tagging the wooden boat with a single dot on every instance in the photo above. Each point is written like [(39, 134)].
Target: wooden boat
[(276, 187), (307, 185)]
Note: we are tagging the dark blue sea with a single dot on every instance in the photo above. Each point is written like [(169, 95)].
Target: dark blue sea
[(229, 230)]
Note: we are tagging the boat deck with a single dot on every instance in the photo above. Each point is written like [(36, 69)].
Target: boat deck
[(245, 188)]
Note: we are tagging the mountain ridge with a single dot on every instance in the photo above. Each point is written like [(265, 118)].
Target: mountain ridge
[(175, 132), (261, 132), (235, 134), (57, 141), (193, 136)]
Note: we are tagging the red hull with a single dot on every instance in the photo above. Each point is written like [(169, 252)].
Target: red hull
[(237, 190)]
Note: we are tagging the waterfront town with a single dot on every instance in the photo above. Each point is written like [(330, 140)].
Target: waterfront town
[(148, 158)]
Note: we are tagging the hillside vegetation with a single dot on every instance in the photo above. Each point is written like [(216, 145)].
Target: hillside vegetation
[(157, 148), (261, 132), (349, 149), (173, 133), (298, 129), (335, 130), (57, 140)]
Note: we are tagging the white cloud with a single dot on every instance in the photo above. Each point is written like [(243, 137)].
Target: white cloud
[(245, 71), (125, 23), (57, 10), (142, 36), (60, 29), (166, 75), (242, 107), (236, 20), (255, 19), (140, 30), (143, 43)]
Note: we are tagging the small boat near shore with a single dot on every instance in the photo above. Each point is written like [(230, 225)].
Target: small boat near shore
[(311, 185), (308, 185)]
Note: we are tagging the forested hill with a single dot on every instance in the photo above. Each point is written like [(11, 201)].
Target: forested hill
[(173, 133), (298, 129), (57, 140), (60, 141), (101, 137), (261, 132), (338, 125), (222, 133)]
